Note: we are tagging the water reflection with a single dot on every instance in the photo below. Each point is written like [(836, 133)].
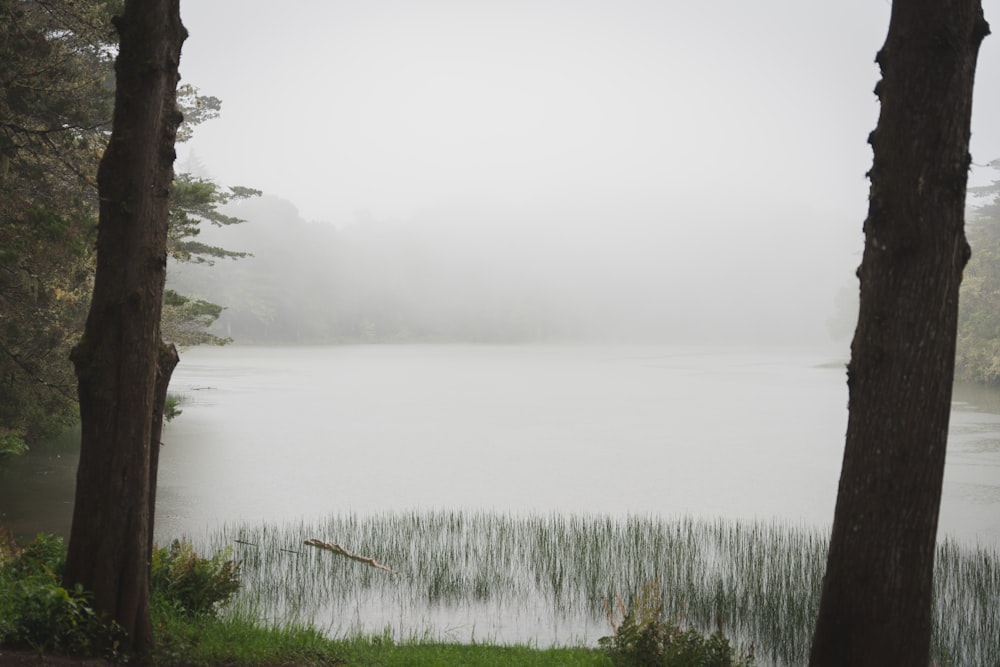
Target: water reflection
[(36, 490), (972, 474), (282, 433)]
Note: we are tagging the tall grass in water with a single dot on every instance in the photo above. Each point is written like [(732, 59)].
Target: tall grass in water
[(467, 576), (966, 605)]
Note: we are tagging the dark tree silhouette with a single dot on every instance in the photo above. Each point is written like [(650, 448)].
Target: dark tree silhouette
[(121, 364), (876, 602)]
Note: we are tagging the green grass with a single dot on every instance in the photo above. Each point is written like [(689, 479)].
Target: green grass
[(487, 588), (371, 652), (548, 580), (239, 641), (183, 640)]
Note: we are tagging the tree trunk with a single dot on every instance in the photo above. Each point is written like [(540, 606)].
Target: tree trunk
[(121, 365), (876, 602), (166, 363)]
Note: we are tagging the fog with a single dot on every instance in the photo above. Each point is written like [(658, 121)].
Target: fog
[(546, 169)]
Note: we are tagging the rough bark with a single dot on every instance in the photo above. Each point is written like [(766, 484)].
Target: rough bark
[(876, 601), (166, 363), (120, 361)]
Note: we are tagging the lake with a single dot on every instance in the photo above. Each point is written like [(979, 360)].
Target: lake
[(283, 433), (520, 487)]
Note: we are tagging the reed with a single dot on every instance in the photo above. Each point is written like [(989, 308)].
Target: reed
[(548, 579)]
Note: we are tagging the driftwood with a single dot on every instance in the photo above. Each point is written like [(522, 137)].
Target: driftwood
[(341, 551)]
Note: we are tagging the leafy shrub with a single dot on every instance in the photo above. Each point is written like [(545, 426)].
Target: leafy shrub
[(643, 638), (48, 617), (45, 557), (36, 611), (12, 442), (190, 584)]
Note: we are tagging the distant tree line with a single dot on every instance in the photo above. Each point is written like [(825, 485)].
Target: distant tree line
[(386, 281), (312, 283), (978, 357)]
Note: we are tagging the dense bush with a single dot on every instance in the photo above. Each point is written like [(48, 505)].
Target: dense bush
[(644, 638), (185, 582), (47, 617), (36, 611), (44, 557), (12, 442)]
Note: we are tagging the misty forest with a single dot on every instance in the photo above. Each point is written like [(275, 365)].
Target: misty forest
[(543, 342)]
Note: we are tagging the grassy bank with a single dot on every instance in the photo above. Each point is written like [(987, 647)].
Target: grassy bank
[(461, 577), (443, 588), (237, 641)]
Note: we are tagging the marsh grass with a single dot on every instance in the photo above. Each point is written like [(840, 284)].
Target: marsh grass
[(548, 579), (187, 640)]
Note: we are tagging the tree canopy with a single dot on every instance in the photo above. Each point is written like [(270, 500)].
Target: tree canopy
[(195, 202), (55, 106), (56, 60)]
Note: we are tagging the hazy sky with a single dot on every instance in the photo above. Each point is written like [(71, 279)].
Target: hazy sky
[(730, 132), (393, 106)]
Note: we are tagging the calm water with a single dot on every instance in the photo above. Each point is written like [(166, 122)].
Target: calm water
[(287, 433)]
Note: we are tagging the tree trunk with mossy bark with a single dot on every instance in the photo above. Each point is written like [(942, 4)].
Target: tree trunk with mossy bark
[(122, 366), (876, 601)]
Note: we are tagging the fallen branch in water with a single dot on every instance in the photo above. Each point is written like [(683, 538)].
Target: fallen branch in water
[(337, 549)]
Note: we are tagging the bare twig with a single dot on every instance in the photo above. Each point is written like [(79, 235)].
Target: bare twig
[(337, 549)]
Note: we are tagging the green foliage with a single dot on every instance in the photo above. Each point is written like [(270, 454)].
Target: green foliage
[(36, 611), (196, 109), (172, 406), (243, 640), (189, 584), (186, 320), (184, 640), (47, 617), (382, 650), (195, 201), (12, 442), (44, 556), (55, 106), (56, 65), (643, 638)]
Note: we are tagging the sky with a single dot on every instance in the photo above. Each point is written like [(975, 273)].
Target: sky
[(726, 138)]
